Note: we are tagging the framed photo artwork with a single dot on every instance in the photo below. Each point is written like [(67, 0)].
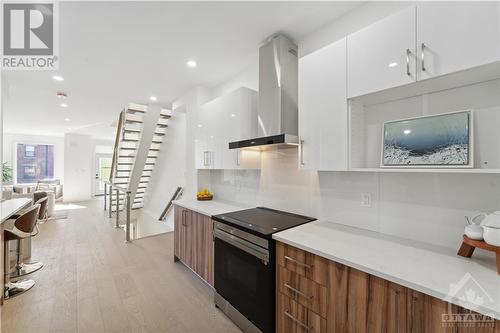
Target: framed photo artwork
[(437, 141)]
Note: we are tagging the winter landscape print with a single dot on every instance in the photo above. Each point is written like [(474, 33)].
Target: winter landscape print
[(441, 140)]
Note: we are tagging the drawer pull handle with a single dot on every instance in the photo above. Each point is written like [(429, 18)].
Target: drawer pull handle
[(301, 324), (295, 261), (298, 292)]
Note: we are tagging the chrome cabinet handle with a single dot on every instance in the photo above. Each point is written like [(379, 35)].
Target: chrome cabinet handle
[(300, 323), (238, 157), (302, 152), (295, 261), (298, 292), (422, 55), (205, 163), (408, 54)]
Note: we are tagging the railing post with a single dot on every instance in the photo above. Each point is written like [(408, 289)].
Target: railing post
[(117, 224), (110, 200), (127, 236), (105, 194)]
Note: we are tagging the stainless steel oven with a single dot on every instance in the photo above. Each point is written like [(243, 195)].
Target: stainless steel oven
[(244, 278)]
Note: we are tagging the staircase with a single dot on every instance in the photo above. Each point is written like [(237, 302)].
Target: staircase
[(131, 168)]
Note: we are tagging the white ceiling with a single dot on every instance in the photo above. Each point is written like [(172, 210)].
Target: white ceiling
[(112, 53)]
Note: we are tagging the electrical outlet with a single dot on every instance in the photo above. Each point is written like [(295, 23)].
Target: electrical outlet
[(366, 200)]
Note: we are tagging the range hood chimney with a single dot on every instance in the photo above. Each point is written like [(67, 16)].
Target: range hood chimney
[(278, 90)]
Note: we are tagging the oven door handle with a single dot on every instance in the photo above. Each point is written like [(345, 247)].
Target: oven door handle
[(243, 245)]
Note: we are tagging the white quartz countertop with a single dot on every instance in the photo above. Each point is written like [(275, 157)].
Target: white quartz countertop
[(209, 208), (11, 207), (420, 266)]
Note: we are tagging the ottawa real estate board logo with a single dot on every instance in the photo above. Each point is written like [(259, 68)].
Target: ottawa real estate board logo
[(30, 36)]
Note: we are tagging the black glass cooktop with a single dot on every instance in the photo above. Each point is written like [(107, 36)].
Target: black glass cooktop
[(263, 221)]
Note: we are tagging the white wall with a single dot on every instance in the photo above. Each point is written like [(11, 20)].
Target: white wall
[(170, 168), (79, 166), (10, 140), (176, 166)]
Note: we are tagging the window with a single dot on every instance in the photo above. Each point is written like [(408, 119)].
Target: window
[(34, 162), (29, 151)]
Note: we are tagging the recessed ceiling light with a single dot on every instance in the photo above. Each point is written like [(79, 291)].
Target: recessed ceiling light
[(63, 105), (233, 115), (407, 131), (67, 119), (58, 78), (393, 64), (152, 98), (191, 63), (199, 125)]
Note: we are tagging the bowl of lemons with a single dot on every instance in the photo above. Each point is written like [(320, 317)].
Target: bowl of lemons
[(204, 195)]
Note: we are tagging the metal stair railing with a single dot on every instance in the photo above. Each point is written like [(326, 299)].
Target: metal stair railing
[(128, 205), (116, 148), (177, 194)]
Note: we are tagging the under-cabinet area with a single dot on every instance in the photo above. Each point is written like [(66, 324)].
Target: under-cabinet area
[(344, 288)]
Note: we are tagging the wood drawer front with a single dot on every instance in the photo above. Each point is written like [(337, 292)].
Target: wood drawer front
[(304, 291), (303, 263), (295, 318)]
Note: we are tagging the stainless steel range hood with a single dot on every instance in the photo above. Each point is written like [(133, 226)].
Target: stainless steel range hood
[(278, 90)]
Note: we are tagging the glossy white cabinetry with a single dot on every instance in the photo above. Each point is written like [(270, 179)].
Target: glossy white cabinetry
[(456, 36), (323, 117), (208, 137), (228, 118), (382, 55)]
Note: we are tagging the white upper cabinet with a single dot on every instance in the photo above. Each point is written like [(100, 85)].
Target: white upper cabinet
[(382, 55), (228, 118), (238, 121), (323, 109), (207, 139), (456, 36)]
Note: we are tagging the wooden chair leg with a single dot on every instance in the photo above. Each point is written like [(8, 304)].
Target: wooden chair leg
[(466, 250), (498, 263)]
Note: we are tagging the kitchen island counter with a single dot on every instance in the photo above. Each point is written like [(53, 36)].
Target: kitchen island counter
[(433, 270)]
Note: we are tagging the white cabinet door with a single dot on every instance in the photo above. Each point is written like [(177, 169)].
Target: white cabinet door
[(323, 115), (228, 118), (207, 138), (238, 121), (456, 36), (382, 55)]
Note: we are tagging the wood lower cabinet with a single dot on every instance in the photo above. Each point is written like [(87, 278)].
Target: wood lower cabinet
[(193, 242), (293, 317), (303, 263), (349, 300)]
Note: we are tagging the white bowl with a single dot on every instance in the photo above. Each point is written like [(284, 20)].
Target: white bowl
[(474, 232), (491, 235)]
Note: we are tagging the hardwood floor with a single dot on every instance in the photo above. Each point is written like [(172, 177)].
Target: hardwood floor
[(93, 282)]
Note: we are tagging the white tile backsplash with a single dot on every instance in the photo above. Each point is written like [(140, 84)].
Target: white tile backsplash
[(427, 207), (420, 206)]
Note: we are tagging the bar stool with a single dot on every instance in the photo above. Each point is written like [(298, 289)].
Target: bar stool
[(17, 229), (42, 198), (32, 266)]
